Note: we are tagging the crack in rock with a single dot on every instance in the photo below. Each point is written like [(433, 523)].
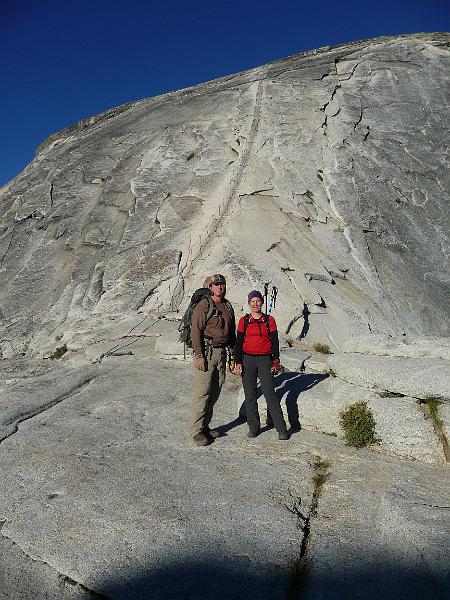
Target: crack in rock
[(62, 576), (157, 221), (8, 248), (350, 75), (300, 568), (361, 113), (40, 409), (430, 408), (269, 189), (120, 346)]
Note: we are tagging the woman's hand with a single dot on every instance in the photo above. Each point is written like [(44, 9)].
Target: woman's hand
[(238, 369), (276, 367)]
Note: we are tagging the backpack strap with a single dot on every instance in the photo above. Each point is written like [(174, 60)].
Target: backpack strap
[(247, 318), (211, 308), (229, 307)]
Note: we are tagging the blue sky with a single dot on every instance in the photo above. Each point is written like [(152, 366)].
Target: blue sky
[(62, 61)]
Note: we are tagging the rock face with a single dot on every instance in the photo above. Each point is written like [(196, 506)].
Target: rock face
[(103, 494), (415, 377), (324, 174)]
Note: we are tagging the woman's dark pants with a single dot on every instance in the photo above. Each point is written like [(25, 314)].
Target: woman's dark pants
[(255, 366)]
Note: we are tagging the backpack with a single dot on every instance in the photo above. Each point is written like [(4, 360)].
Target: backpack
[(266, 321), (186, 322)]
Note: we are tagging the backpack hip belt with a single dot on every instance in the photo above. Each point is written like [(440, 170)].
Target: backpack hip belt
[(211, 343)]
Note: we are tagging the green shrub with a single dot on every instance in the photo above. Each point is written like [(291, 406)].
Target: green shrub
[(322, 348), (431, 406), (358, 425), (321, 468), (432, 402)]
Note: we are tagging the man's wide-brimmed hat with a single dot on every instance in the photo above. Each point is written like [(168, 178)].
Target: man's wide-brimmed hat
[(217, 278)]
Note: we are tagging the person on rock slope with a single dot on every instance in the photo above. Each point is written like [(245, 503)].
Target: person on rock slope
[(256, 355), (210, 340)]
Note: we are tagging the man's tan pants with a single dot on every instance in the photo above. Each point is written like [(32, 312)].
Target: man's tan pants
[(206, 386)]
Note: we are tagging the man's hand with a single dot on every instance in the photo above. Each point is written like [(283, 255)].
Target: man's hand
[(200, 363), (238, 369), (230, 362), (276, 367)]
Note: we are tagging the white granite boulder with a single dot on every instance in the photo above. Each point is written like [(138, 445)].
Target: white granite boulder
[(416, 377)]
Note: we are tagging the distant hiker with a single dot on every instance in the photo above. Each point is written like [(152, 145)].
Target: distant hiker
[(213, 333), (257, 354)]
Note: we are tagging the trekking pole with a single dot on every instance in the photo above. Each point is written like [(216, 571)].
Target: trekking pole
[(274, 293), (266, 292), (273, 298)]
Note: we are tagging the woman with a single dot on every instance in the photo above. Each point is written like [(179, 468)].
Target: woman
[(257, 354)]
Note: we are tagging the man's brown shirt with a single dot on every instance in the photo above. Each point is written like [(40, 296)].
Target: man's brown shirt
[(221, 327)]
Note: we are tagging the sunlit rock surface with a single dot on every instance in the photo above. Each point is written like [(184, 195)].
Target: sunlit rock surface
[(324, 174)]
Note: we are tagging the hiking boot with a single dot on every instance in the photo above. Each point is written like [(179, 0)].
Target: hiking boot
[(200, 439), (212, 433), (253, 434), (283, 435)]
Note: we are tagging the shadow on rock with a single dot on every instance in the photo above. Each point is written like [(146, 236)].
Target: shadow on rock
[(203, 580), (223, 429), (288, 385), (214, 578), (382, 580)]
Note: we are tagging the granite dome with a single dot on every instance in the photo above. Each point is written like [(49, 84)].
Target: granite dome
[(325, 173)]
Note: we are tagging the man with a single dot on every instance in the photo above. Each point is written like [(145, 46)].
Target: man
[(210, 340)]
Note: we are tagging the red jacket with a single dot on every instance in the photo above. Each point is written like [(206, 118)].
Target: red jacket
[(257, 337)]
